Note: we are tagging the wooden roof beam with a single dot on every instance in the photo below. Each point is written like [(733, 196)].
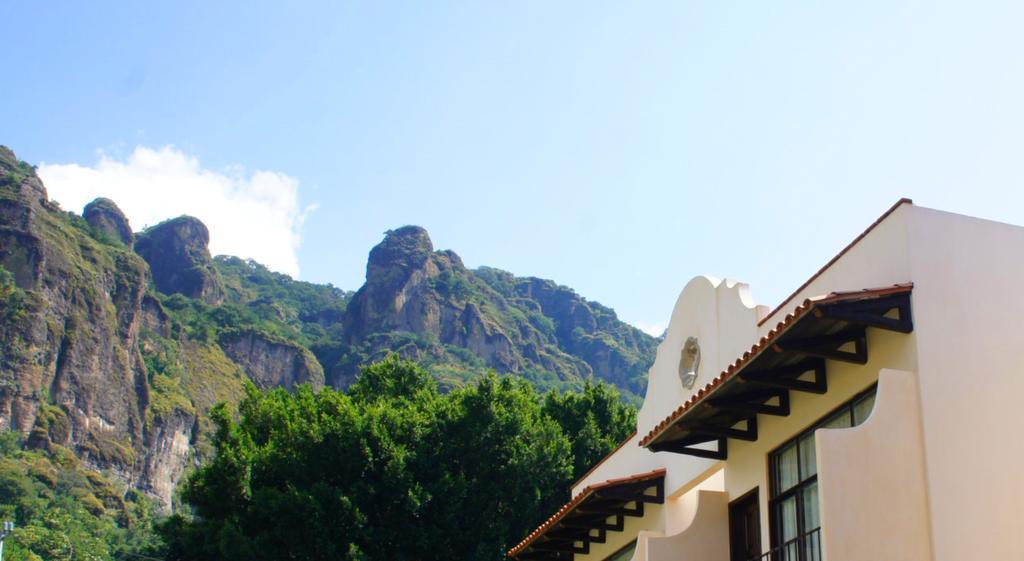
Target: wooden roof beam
[(755, 405), (721, 453), (788, 377), (830, 346), (872, 313), (748, 433), (598, 522)]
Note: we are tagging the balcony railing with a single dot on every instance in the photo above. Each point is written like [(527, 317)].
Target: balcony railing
[(801, 548)]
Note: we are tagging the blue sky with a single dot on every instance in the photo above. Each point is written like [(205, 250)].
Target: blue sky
[(619, 148)]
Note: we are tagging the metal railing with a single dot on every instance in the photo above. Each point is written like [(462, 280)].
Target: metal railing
[(801, 548)]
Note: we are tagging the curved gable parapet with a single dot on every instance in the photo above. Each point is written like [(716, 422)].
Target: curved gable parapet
[(721, 316)]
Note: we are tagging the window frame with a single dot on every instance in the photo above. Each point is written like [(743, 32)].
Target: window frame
[(775, 498), (631, 545)]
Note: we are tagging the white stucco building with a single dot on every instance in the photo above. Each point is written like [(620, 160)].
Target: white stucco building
[(874, 414)]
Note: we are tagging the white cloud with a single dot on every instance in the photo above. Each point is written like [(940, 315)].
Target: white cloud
[(256, 216)]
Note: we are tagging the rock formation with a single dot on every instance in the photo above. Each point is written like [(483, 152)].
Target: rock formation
[(511, 324), (271, 363), (178, 255), (103, 215), (75, 324), (70, 328)]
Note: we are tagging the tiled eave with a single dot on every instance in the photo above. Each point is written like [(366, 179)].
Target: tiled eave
[(808, 308), (592, 494)]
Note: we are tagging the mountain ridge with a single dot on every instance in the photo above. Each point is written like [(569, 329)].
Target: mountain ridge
[(127, 339)]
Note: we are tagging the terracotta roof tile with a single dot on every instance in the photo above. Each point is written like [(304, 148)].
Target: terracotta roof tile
[(571, 505), (767, 341)]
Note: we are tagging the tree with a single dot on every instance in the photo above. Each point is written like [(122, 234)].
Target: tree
[(502, 466), (391, 470), (595, 421)]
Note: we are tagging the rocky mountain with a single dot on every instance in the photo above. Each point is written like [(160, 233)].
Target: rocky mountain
[(90, 359), (115, 344), (426, 305)]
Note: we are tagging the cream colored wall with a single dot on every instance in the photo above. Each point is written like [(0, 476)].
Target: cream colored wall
[(631, 459), (871, 480), (674, 516), (679, 513), (722, 315), (706, 537), (966, 344), (747, 466), (682, 508), (968, 315), (681, 471)]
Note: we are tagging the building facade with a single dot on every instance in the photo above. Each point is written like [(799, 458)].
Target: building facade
[(871, 415)]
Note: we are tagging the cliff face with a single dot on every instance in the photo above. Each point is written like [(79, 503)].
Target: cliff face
[(394, 296), (70, 369), (77, 332), (409, 289), (272, 363), (72, 339), (616, 352), (178, 254)]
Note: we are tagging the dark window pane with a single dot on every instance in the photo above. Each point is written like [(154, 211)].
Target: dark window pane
[(808, 465), (788, 527), (812, 547), (786, 469), (840, 420), (809, 497), (863, 407)]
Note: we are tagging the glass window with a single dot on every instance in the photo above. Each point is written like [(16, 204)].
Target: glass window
[(795, 512), (787, 468), (810, 504), (808, 460), (840, 420), (862, 408), (788, 522)]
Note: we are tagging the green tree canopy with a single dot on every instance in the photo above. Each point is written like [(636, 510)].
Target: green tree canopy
[(390, 470), (595, 420)]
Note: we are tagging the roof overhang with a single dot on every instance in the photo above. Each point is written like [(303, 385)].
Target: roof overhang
[(590, 515), (791, 357)]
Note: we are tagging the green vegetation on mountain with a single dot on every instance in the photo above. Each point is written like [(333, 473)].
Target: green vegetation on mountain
[(68, 339), (425, 475), (125, 356), (427, 306), (312, 312), (65, 510), (12, 298)]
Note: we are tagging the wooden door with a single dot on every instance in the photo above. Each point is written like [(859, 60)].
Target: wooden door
[(745, 528)]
